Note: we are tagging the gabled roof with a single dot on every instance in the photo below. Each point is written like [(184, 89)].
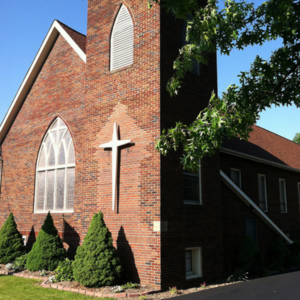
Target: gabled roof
[(75, 39), (267, 147)]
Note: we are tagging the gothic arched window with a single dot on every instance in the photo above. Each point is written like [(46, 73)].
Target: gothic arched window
[(55, 171), (121, 44)]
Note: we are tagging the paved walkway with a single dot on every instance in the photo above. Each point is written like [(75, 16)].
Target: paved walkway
[(278, 287)]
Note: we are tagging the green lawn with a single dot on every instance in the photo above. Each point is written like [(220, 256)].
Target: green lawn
[(22, 288)]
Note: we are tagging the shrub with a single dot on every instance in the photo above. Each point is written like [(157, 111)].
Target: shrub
[(295, 253), (96, 261), (11, 243), (130, 285), (20, 262), (250, 259), (48, 249), (279, 256), (64, 271)]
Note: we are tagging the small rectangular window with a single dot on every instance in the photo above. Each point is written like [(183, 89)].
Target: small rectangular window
[(192, 187), (282, 195), (193, 263), (298, 185), (262, 192), (236, 177)]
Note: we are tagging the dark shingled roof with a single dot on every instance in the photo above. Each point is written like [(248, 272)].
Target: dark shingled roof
[(79, 38), (267, 145)]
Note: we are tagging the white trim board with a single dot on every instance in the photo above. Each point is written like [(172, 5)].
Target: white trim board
[(255, 208), (33, 71), (257, 159)]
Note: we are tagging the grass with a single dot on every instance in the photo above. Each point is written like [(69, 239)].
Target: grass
[(23, 288)]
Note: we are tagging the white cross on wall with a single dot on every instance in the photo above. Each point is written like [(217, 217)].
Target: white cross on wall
[(114, 144)]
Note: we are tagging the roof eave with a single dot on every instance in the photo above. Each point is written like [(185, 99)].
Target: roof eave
[(257, 159), (33, 71)]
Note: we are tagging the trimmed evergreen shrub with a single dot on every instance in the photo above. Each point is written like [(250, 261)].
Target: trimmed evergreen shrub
[(279, 256), (11, 242), (250, 258), (48, 249), (96, 261)]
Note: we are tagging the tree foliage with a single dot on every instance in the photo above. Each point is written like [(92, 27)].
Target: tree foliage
[(250, 258), (296, 138), (11, 242), (96, 261), (279, 256), (48, 250), (275, 81)]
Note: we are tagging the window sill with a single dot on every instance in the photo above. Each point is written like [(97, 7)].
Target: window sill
[(55, 212), (121, 69), (193, 276), (189, 202)]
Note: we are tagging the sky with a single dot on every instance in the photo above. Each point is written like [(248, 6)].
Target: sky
[(24, 25)]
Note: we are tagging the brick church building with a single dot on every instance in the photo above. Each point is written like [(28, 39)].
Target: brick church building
[(80, 134)]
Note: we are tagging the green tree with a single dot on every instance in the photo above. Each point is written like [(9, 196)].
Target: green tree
[(274, 81), (250, 258), (96, 261), (48, 249), (296, 138), (11, 242), (279, 256)]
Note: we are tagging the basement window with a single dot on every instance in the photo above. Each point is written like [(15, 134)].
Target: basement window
[(193, 263)]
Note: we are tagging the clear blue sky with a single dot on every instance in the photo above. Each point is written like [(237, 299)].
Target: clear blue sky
[(24, 25)]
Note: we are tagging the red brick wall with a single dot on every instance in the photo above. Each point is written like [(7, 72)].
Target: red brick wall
[(188, 225), (235, 211), (57, 91), (90, 98), (130, 97)]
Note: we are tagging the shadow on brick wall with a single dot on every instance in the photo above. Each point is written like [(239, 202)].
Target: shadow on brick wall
[(31, 240), (127, 258), (71, 238)]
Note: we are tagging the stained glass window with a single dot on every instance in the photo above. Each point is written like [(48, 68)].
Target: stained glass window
[(55, 178)]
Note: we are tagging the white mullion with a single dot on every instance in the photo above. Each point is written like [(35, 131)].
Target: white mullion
[(65, 190), (46, 171), (67, 150), (36, 191), (46, 189), (55, 190), (56, 154)]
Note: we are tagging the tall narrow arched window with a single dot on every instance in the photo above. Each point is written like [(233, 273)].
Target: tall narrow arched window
[(121, 44), (55, 171)]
